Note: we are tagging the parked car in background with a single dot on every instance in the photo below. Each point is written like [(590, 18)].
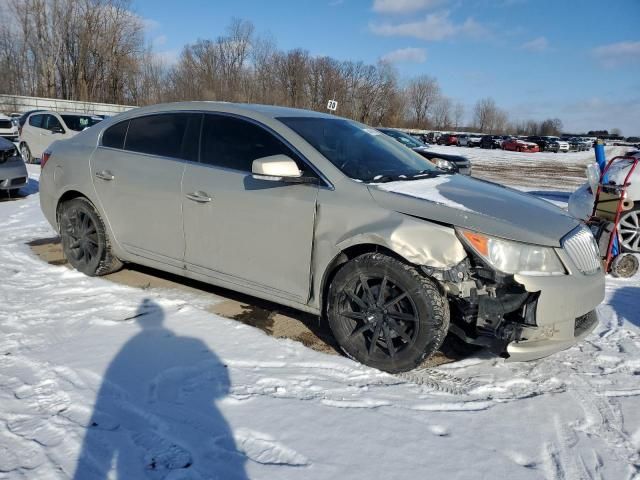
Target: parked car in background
[(447, 139), (542, 142), (23, 118), (44, 127), (577, 144), (491, 141), (519, 145), (13, 172), (557, 145), (8, 129), (444, 161), (400, 254), (463, 140), (474, 140)]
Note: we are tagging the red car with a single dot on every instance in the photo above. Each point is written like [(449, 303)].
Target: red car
[(447, 139), (517, 145)]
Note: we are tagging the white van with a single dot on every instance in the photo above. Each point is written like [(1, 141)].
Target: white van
[(43, 128)]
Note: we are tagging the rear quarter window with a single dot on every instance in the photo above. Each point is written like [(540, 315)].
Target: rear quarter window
[(114, 136)]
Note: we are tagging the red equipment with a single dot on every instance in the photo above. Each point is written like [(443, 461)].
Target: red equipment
[(625, 265)]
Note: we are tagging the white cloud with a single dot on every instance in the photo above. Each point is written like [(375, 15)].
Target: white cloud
[(409, 54), (539, 44), (403, 6), (149, 23), (618, 54), (159, 41), (434, 26)]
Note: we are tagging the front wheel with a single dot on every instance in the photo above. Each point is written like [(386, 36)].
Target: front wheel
[(84, 239), (26, 153), (385, 314)]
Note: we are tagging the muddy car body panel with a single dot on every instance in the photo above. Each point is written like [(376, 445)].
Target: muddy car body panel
[(285, 241)]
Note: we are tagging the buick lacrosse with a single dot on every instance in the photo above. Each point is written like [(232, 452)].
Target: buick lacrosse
[(328, 216)]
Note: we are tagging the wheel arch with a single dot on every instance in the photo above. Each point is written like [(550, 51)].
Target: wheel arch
[(65, 197), (345, 255)]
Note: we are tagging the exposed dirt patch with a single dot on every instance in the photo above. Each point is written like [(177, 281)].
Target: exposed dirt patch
[(275, 320)]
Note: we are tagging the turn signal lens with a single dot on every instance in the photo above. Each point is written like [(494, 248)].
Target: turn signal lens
[(478, 241)]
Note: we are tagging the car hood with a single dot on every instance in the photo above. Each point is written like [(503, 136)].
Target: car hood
[(6, 144), (428, 153), (478, 205)]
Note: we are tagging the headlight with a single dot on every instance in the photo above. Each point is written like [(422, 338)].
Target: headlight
[(514, 257), (444, 164)]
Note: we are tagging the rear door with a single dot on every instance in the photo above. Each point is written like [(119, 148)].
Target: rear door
[(137, 172), (246, 231)]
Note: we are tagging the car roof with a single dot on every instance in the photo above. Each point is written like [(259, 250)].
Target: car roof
[(270, 111), (4, 117)]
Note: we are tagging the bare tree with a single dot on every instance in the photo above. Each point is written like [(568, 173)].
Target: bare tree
[(442, 114), (422, 94), (458, 115)]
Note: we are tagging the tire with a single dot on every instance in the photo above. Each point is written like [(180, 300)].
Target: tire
[(84, 239), (26, 153), (630, 230), (394, 331)]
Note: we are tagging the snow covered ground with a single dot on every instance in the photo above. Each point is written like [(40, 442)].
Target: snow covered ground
[(99, 380), (536, 170)]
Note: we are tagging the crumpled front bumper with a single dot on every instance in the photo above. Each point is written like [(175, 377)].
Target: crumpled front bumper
[(565, 312)]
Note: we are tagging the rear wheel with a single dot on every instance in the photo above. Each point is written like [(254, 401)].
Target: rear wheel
[(385, 314), (84, 239), (630, 230)]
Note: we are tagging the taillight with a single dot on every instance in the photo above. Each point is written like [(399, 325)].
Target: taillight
[(46, 155)]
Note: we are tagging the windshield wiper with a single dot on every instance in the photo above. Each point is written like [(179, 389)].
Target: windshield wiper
[(403, 177)]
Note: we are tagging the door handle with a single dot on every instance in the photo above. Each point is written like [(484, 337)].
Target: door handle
[(105, 175), (200, 197)]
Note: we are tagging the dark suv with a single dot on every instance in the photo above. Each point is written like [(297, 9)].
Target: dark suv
[(491, 141), (542, 142)]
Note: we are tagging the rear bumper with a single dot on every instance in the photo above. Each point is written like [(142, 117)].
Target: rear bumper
[(13, 175)]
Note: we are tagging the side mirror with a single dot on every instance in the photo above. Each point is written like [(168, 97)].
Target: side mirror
[(277, 168)]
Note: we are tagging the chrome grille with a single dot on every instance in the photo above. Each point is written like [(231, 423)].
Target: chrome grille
[(582, 249)]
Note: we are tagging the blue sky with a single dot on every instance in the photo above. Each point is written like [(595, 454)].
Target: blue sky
[(577, 60)]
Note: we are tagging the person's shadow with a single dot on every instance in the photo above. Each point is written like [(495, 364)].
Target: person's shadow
[(154, 415)]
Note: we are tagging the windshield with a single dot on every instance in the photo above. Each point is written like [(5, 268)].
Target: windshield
[(403, 138), (80, 122), (360, 152)]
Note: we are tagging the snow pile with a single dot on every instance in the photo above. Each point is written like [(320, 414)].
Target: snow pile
[(100, 380), (425, 189)]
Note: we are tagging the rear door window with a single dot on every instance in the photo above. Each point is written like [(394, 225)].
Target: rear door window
[(172, 135), (235, 143)]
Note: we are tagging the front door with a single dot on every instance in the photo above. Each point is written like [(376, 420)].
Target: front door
[(247, 232), (138, 182)]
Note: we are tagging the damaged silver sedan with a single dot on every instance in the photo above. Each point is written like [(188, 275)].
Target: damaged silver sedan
[(328, 216)]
